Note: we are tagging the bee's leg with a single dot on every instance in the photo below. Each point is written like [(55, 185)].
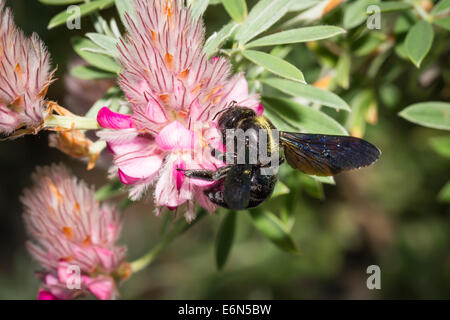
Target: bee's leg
[(207, 175)]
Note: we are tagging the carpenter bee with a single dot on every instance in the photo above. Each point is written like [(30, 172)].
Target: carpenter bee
[(241, 184)]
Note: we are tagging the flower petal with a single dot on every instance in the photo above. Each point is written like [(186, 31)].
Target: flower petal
[(46, 295), (260, 109), (155, 112), (175, 136), (113, 120), (102, 287), (136, 166), (138, 143)]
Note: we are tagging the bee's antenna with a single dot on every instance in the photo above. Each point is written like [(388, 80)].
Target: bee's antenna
[(230, 106)]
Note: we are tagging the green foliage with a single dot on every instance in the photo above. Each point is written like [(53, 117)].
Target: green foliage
[(85, 9), (225, 237), (429, 114), (274, 64), (418, 41), (308, 92), (299, 35), (262, 16), (273, 229), (237, 9)]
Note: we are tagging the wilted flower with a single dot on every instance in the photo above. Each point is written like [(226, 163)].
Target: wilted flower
[(24, 77), (73, 142), (73, 237), (175, 91)]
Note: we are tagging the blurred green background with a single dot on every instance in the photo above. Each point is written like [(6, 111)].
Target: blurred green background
[(386, 215)]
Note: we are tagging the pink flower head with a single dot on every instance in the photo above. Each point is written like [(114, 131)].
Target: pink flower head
[(73, 236), (174, 91), (24, 76)]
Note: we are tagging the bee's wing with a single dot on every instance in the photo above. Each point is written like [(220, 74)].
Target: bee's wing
[(236, 191), (326, 155)]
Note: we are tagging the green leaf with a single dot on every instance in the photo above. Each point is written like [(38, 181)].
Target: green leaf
[(109, 44), (85, 9), (441, 145), (198, 7), (443, 23), (343, 71), (418, 41), (217, 38), (301, 118), (327, 180), (272, 228), (312, 187), (441, 8), (303, 4), (280, 189), (60, 2), (81, 45), (274, 64), (391, 6), (262, 16), (91, 73), (225, 238), (356, 13), (110, 190), (308, 92), (362, 102), (124, 7), (429, 114), (305, 34), (237, 9), (444, 194)]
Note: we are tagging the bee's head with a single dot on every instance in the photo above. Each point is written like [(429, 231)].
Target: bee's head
[(230, 117)]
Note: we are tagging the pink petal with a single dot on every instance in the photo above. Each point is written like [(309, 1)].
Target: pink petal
[(106, 257), (102, 287), (179, 175), (126, 179), (204, 201), (46, 295), (113, 120), (213, 138), (155, 112), (135, 167), (175, 136), (63, 273), (240, 90), (196, 109), (138, 143), (260, 109)]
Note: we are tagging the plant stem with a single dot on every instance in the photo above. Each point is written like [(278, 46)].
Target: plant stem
[(75, 123), (179, 228)]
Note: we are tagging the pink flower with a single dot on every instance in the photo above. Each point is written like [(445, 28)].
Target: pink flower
[(73, 236), (24, 77), (175, 92)]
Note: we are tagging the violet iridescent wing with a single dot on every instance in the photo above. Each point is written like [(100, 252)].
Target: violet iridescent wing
[(327, 155)]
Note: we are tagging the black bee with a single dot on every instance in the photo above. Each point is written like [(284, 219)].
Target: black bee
[(242, 185)]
